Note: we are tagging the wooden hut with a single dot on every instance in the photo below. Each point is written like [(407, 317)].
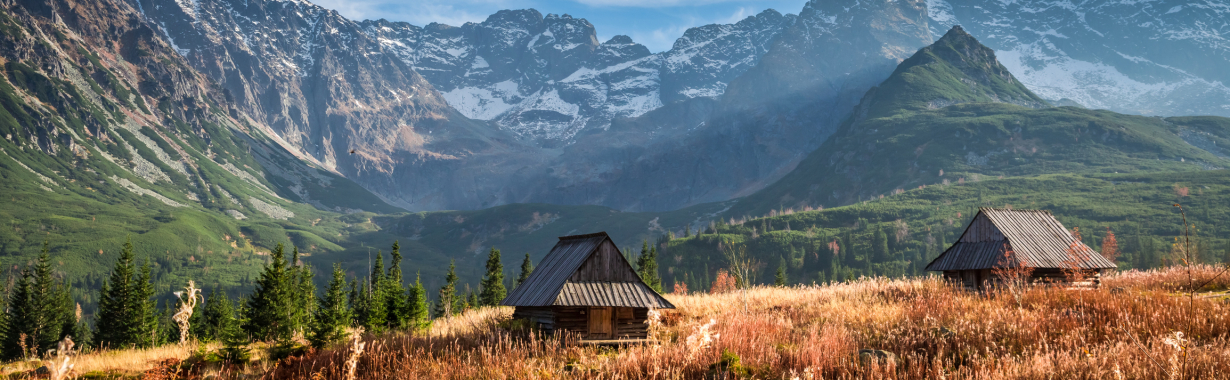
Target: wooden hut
[(1004, 239), (586, 286)]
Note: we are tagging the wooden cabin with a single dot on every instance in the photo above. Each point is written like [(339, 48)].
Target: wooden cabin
[(586, 286), (1030, 239)]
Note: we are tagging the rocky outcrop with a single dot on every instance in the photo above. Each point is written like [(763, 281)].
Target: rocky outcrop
[(546, 78), (1121, 56)]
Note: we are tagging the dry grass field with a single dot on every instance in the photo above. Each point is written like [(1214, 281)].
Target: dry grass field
[(1138, 325)]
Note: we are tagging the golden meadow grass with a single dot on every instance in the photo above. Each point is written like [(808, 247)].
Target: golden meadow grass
[(1127, 329), (803, 332)]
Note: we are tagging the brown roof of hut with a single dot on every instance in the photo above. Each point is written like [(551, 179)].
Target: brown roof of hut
[(1035, 238), (585, 270)]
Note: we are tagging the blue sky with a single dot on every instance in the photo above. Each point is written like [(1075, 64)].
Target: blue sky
[(655, 23)]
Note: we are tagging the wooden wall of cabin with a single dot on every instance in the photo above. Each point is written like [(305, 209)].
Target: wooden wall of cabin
[(543, 316), (605, 265), (977, 279), (628, 323), (631, 323)]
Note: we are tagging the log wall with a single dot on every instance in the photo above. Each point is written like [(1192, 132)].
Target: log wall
[(630, 323)]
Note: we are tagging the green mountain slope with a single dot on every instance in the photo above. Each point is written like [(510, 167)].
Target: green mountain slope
[(899, 234), (108, 133), (951, 113)]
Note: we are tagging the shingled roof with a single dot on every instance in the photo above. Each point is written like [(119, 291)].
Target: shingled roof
[(1035, 237), (553, 281)]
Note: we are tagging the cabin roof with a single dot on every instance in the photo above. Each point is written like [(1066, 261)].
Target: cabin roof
[(549, 285), (1036, 238)]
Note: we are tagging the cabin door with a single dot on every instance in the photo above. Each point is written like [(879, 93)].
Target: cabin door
[(600, 323)]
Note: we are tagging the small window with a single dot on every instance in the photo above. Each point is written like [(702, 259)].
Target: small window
[(623, 313)]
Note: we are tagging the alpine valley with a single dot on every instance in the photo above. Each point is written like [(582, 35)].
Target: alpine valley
[(210, 131)]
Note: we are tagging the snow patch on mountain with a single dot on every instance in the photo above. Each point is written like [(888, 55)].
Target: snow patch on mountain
[(547, 77), (483, 103), (1098, 85)]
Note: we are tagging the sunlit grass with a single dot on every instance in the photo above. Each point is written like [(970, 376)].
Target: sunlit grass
[(1127, 329)]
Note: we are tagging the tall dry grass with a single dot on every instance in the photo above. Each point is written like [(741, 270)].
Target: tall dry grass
[(934, 330)]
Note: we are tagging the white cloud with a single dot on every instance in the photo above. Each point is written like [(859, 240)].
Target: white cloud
[(739, 15), (661, 39), (653, 3), (419, 13)]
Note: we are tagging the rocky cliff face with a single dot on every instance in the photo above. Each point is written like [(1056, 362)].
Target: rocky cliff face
[(1151, 58), (706, 149), (96, 105), (547, 78), (572, 120)]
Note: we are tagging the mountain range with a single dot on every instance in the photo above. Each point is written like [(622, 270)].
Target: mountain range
[(210, 131)]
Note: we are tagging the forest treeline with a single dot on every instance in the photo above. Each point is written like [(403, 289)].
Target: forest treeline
[(284, 307)]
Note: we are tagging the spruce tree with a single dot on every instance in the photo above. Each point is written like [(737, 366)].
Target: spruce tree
[(417, 311), (210, 321), (356, 301), (303, 293), (332, 314), (780, 279), (40, 308), (375, 312), (448, 293), (268, 314), (881, 246), (472, 301), (647, 265), (493, 283), (527, 267), (394, 292), (23, 321), (126, 315), (234, 338)]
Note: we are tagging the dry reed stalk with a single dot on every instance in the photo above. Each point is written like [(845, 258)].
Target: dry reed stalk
[(356, 349), (60, 366), (187, 303)]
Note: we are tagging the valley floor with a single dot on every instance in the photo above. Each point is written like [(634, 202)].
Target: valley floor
[(1138, 325)]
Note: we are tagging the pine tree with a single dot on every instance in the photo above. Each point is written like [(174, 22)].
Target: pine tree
[(126, 315), (394, 292), (22, 320), (448, 293), (493, 283), (780, 279), (269, 312), (211, 320), (360, 300), (37, 311), (647, 265), (234, 338), (527, 267), (375, 313), (332, 314), (303, 292), (881, 246), (417, 311)]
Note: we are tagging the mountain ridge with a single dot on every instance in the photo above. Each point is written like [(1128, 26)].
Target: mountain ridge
[(893, 142)]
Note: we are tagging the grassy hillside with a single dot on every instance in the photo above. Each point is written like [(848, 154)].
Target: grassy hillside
[(898, 234)]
